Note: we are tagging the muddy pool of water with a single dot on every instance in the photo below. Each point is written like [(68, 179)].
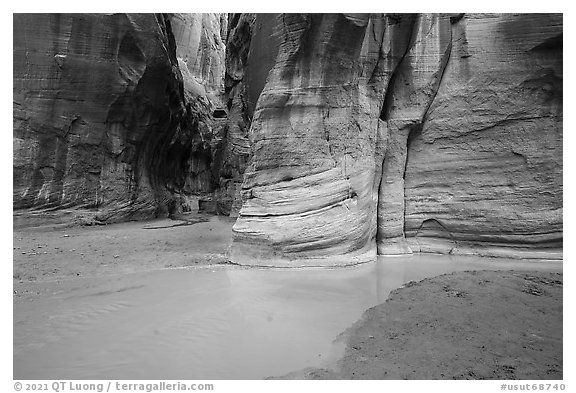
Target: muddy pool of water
[(226, 322)]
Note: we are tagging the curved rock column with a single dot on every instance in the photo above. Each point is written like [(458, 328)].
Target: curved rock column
[(412, 90), (433, 133), (309, 193)]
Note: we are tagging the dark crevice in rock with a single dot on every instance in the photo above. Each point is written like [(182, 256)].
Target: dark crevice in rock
[(554, 43), (234, 152), (219, 113), (385, 114), (388, 97), (456, 18), (415, 132), (445, 60), (433, 224)]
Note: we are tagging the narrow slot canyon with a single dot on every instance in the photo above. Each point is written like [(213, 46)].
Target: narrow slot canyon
[(288, 196)]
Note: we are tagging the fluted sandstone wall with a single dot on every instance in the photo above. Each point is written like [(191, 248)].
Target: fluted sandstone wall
[(333, 137), (250, 54), (236, 149), (484, 174), (392, 133), (200, 48), (102, 121), (311, 190)]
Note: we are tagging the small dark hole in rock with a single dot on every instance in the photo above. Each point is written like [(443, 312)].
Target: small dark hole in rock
[(220, 113)]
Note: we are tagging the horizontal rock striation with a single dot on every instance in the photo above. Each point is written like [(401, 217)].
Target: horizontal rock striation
[(235, 152), (484, 173), (310, 192), (102, 122), (387, 134), (411, 91), (333, 137)]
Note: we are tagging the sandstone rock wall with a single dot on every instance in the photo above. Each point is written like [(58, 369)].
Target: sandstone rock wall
[(250, 54), (333, 137), (392, 133), (102, 122), (201, 49), (410, 93), (309, 193), (484, 173)]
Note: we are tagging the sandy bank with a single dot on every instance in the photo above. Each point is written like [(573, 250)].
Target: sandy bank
[(467, 325), (51, 252)]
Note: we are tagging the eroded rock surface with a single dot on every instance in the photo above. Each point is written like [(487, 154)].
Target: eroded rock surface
[(236, 149), (410, 94), (102, 121), (484, 174), (200, 49), (393, 133), (333, 137), (308, 195)]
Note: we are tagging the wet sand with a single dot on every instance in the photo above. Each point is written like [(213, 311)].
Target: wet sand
[(56, 252), (156, 300), (466, 325)]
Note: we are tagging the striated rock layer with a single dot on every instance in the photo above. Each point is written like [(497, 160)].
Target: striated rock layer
[(312, 188), (397, 133), (484, 174), (200, 49), (102, 119), (236, 149), (333, 137)]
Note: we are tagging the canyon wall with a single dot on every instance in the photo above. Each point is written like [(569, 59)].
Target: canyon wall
[(236, 149), (388, 134), (105, 121), (200, 41), (333, 137), (484, 173)]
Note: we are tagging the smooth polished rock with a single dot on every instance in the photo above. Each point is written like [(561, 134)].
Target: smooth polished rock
[(101, 121), (200, 48), (484, 174), (309, 194), (333, 137), (397, 133)]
